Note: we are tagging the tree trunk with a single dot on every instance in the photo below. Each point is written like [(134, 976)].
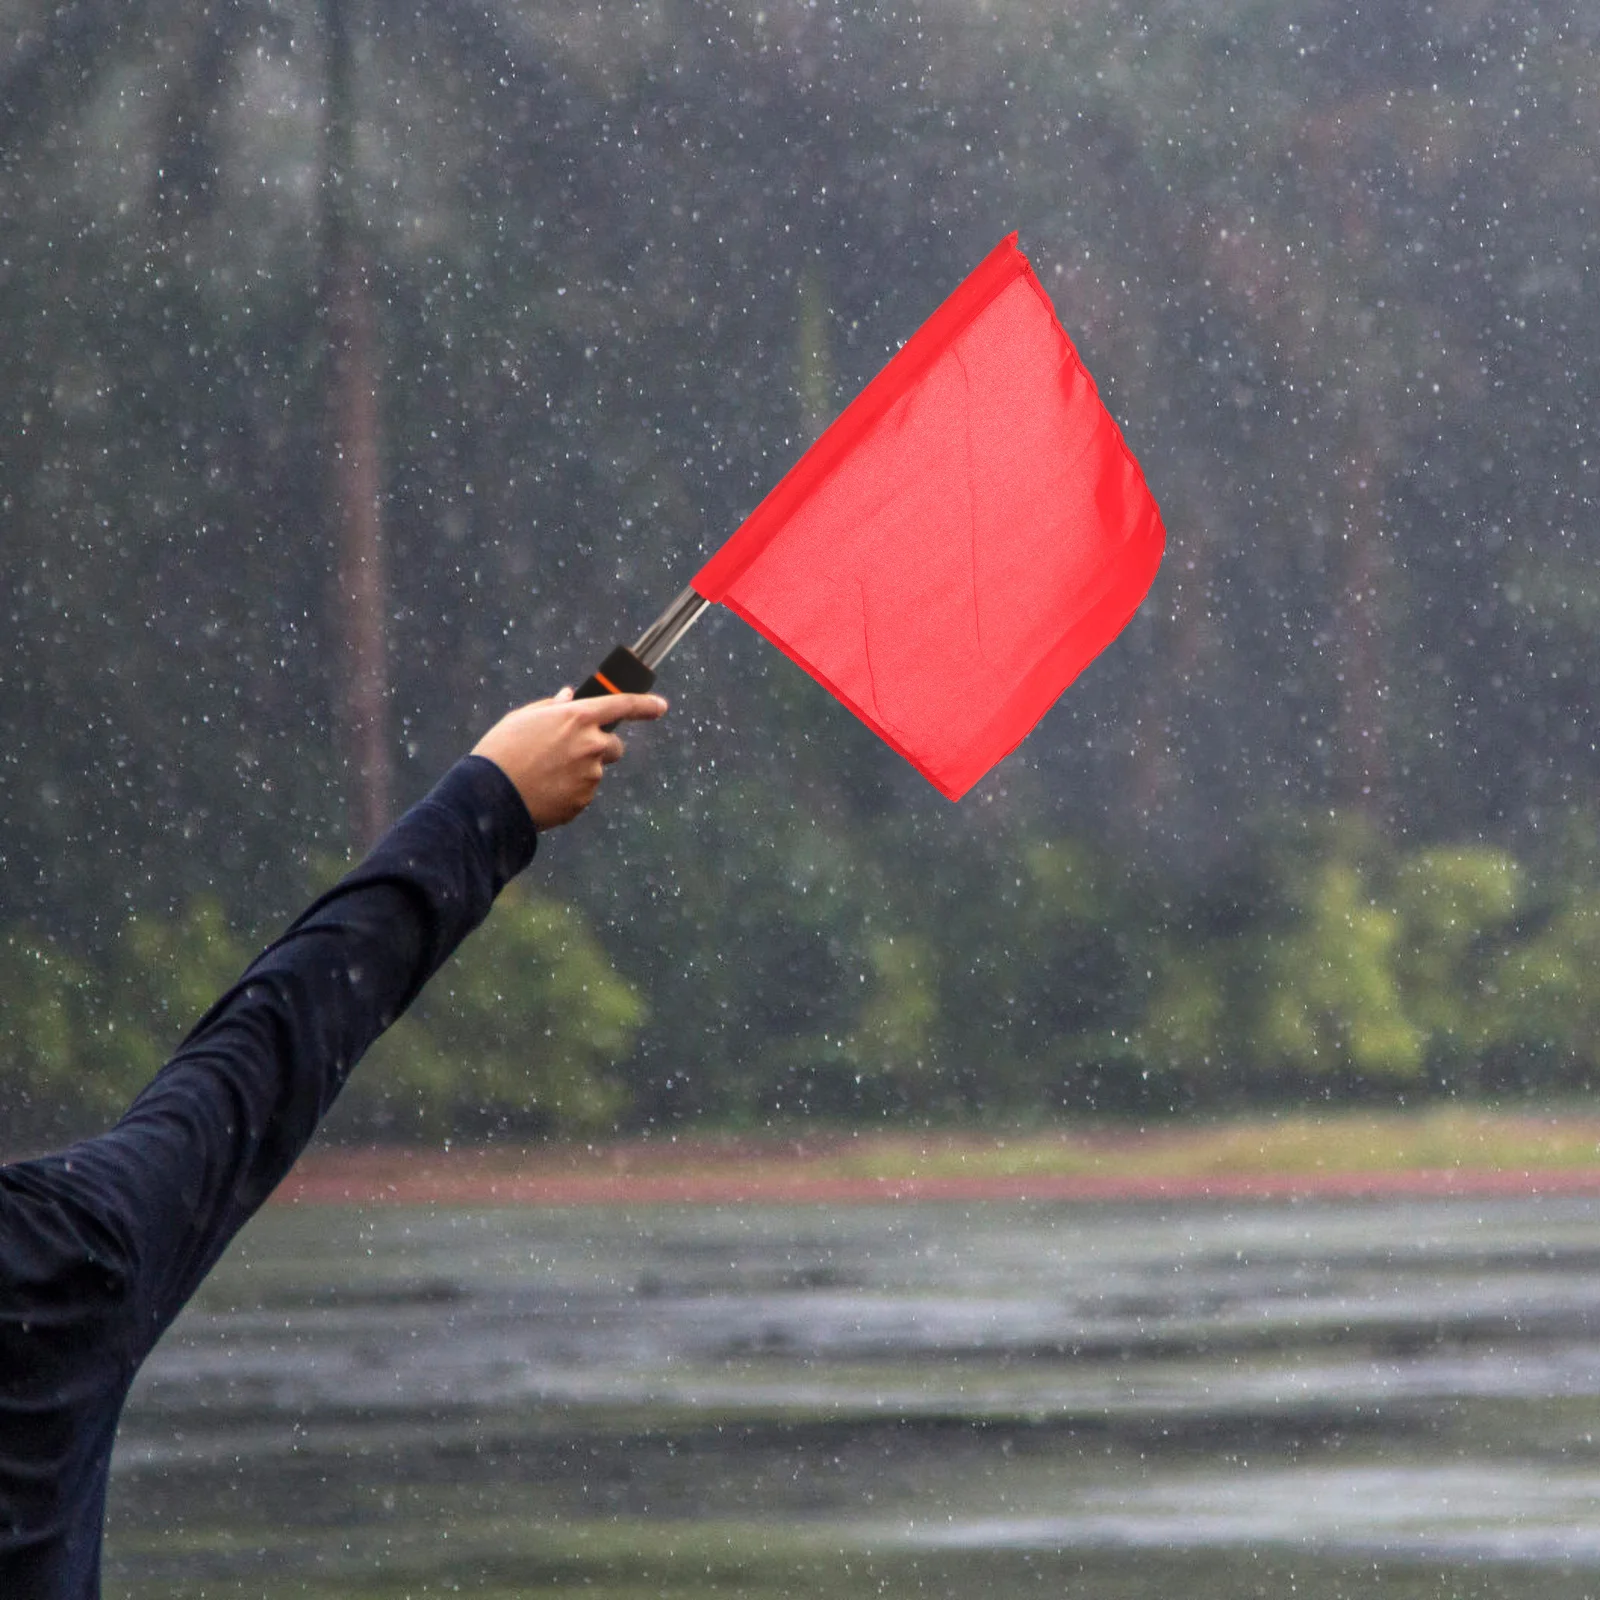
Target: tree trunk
[(353, 483), (1359, 777), (354, 495)]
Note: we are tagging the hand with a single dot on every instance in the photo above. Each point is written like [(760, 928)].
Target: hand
[(556, 751)]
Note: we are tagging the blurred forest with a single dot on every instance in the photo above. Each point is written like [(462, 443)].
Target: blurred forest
[(365, 370)]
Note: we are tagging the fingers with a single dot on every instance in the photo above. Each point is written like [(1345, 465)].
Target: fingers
[(555, 751), (620, 708)]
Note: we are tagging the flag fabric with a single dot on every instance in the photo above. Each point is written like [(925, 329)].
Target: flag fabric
[(959, 545)]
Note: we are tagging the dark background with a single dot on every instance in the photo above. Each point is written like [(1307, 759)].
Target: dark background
[(576, 284)]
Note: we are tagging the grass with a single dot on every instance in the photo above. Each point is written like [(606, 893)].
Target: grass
[(1364, 1141), (1459, 1139)]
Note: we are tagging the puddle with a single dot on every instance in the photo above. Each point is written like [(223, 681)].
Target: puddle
[(914, 1387)]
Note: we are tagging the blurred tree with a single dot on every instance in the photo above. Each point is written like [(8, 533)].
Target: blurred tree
[(1331, 996), (522, 1032), (897, 1031), (1330, 271), (78, 1040), (1458, 907), (353, 449), (519, 1033), (51, 1021), (1542, 983), (164, 975), (1304, 984)]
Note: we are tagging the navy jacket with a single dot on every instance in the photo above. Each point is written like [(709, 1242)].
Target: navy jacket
[(101, 1245)]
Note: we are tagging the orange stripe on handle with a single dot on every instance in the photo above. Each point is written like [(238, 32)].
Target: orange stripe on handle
[(622, 672)]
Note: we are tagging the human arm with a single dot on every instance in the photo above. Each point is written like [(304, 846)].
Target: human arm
[(101, 1244), (221, 1124)]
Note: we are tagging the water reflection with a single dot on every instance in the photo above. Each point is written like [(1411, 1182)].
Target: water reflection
[(876, 1398)]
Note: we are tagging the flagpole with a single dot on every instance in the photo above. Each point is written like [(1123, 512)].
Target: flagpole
[(632, 671), (657, 642)]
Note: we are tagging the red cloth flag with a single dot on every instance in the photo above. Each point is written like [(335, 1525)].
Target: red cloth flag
[(967, 536)]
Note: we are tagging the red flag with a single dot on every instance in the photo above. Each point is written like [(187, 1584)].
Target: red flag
[(968, 535)]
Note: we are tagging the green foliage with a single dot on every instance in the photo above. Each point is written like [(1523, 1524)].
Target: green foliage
[(164, 974), (1545, 981), (1325, 959), (1458, 906), (1189, 1027), (897, 1027), (49, 1007), (1329, 988), (1362, 965), (1344, 327), (1334, 961), (1550, 991), (78, 1038), (521, 1030)]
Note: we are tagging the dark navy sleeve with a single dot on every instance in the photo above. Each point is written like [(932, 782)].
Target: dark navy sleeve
[(102, 1244)]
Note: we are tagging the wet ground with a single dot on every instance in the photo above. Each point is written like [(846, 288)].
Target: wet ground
[(1325, 1399)]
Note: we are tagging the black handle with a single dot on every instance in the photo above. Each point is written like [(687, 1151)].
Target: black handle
[(622, 672)]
